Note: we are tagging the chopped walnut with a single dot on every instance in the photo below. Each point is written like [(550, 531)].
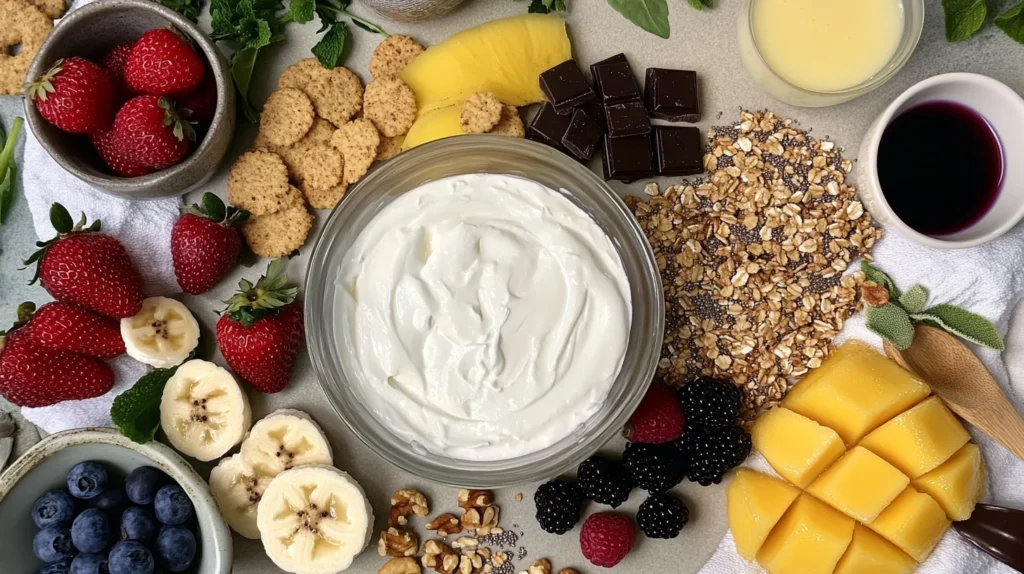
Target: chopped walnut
[(470, 564), (568, 571), (440, 557), (475, 498), (483, 520), (466, 542), (400, 566), (542, 566), (445, 525), (499, 559), (874, 294), (398, 543), (405, 502)]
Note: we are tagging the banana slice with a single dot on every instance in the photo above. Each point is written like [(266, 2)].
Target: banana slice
[(162, 334), (314, 520), (285, 439), (203, 411), (238, 490)]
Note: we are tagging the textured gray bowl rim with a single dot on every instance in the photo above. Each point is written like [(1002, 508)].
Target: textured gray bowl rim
[(131, 187), (161, 455)]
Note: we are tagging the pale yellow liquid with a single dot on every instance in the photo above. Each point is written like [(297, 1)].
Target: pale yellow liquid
[(827, 45)]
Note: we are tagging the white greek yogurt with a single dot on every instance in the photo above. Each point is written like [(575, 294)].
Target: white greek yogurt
[(485, 316)]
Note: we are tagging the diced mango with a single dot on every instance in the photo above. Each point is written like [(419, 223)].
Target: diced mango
[(854, 391), (869, 553), (810, 539), (914, 522), (860, 484), (435, 125), (754, 504), (957, 484), (920, 439), (798, 448)]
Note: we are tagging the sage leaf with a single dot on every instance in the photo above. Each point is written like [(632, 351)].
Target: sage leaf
[(1012, 22), (914, 300), (964, 324), (650, 15), (876, 275), (891, 323), (963, 18)]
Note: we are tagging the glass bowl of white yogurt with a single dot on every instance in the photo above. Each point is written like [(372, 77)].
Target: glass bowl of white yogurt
[(483, 311)]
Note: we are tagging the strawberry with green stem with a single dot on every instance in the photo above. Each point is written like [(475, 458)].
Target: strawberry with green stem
[(74, 95), (205, 243), (163, 63), (151, 131)]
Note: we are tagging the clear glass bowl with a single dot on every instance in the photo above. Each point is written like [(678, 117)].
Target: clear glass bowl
[(784, 91), (484, 154)]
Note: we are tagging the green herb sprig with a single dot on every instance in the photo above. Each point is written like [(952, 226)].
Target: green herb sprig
[(650, 15), (964, 18), (187, 8), (891, 313), (8, 171)]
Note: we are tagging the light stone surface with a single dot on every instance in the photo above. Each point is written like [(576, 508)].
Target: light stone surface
[(704, 41)]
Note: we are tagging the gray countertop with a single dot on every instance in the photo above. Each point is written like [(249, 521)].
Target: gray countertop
[(704, 41)]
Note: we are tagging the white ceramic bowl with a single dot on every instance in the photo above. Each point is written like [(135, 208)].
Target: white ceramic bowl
[(46, 465)]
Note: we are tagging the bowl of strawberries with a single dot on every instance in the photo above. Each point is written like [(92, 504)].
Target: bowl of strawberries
[(132, 98)]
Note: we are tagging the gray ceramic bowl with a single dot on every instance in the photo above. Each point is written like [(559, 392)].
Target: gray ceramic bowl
[(46, 465), (412, 10), (89, 32)]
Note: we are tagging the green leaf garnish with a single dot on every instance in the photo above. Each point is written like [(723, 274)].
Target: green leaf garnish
[(964, 324), (650, 15), (701, 4), (136, 412), (1012, 22), (330, 47), (8, 170), (187, 8), (892, 323), (914, 300), (963, 18)]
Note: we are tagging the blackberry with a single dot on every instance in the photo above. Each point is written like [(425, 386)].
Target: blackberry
[(710, 402), (558, 505), (662, 516), (655, 467), (605, 481), (714, 451)]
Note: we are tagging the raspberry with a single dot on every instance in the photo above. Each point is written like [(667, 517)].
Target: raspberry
[(713, 452), (655, 467), (606, 538), (662, 516), (558, 505), (659, 417), (710, 402), (604, 481)]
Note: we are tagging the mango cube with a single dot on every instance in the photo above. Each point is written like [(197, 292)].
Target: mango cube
[(754, 504), (810, 539), (914, 522), (860, 484), (869, 553), (855, 391), (798, 448), (920, 439), (957, 484)]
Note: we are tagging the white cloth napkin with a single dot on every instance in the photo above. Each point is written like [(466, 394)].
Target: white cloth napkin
[(988, 280)]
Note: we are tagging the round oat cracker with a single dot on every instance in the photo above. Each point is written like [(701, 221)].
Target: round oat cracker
[(258, 182), (389, 147), (287, 116), (327, 198), (391, 105), (299, 74), (337, 94), (25, 25), (392, 55), (358, 141), (480, 113), (510, 124), (315, 165), (53, 9), (278, 234)]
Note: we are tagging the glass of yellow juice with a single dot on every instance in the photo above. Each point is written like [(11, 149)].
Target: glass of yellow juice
[(816, 53)]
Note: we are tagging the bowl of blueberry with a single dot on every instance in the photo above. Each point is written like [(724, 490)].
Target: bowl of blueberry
[(90, 501)]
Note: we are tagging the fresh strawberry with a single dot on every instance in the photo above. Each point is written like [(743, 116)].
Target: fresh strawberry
[(114, 155), (67, 327), (606, 538), (202, 103), (150, 131), (75, 95), (115, 63), (86, 268), (659, 418), (35, 376), (163, 63), (261, 331), (205, 243)]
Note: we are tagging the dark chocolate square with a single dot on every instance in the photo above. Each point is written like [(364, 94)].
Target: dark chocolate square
[(582, 136), (627, 119), (672, 95), (617, 58), (566, 87), (596, 112), (627, 159), (678, 150), (548, 127), (615, 83)]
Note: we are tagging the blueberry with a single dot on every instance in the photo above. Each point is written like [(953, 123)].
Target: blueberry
[(87, 480), (91, 531), (90, 564), (142, 484), (129, 557), (175, 548), (138, 524), (172, 505), (52, 508), (53, 544), (112, 501), (62, 567)]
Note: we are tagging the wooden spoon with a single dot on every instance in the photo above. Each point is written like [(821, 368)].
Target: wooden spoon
[(963, 382)]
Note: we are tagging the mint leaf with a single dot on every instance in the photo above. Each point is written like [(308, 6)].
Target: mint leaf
[(301, 11), (964, 324), (650, 15), (136, 412), (329, 49), (700, 4), (187, 8), (1012, 22), (891, 323), (876, 275), (914, 300), (963, 18)]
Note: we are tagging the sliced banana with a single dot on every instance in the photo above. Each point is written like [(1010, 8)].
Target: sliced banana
[(314, 520), (285, 439), (238, 490), (162, 334), (203, 411)]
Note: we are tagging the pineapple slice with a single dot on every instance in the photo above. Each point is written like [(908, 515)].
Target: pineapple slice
[(957, 484), (920, 439), (798, 448), (914, 522), (870, 553), (435, 125), (754, 504), (810, 539), (861, 484)]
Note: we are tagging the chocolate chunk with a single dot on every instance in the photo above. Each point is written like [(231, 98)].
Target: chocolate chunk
[(617, 58), (596, 112), (627, 119), (615, 83), (582, 136), (548, 127), (672, 95), (565, 87), (627, 159), (678, 150)]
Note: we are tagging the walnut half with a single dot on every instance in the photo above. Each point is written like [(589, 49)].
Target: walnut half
[(400, 566), (405, 502), (445, 525), (475, 498), (397, 543), (542, 566), (440, 557), (483, 520)]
